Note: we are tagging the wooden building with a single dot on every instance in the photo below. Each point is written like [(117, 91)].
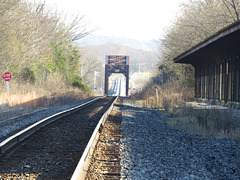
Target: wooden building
[(217, 64)]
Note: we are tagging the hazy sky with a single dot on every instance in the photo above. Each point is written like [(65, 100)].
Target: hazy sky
[(136, 19)]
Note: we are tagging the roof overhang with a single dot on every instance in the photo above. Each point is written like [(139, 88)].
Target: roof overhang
[(223, 42)]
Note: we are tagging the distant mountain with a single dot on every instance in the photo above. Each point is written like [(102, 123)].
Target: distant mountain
[(92, 40), (140, 60)]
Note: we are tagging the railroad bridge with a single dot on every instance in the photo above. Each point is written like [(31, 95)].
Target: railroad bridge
[(217, 64), (116, 64)]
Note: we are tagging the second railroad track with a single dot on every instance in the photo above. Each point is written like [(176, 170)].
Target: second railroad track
[(53, 151)]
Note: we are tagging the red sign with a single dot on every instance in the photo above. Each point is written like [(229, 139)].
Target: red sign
[(7, 76)]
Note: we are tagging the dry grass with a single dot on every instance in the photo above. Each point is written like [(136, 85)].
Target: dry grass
[(168, 96), (206, 123), (45, 94)]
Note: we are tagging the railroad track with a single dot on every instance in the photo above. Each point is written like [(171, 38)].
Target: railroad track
[(105, 160), (52, 150)]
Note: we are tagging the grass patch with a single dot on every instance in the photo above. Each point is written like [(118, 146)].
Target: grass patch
[(42, 95), (208, 123)]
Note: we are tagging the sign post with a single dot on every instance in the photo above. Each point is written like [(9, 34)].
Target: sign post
[(7, 77)]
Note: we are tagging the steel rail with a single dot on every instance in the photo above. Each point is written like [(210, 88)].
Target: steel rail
[(82, 167), (23, 134)]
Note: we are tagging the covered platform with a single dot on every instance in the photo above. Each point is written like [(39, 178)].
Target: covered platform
[(217, 64)]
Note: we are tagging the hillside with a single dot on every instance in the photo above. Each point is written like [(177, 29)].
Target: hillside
[(93, 59), (92, 40), (147, 60)]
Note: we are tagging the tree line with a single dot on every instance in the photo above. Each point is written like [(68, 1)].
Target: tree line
[(198, 20), (37, 44)]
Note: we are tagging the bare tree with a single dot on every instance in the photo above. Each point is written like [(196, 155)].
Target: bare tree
[(199, 20), (233, 8), (27, 30), (90, 62)]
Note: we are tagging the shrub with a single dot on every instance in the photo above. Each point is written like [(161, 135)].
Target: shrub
[(78, 82), (28, 75)]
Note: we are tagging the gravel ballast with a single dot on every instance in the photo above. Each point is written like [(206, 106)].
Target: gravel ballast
[(151, 150)]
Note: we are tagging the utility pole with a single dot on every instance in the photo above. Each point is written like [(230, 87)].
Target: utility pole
[(139, 66), (81, 69), (94, 80)]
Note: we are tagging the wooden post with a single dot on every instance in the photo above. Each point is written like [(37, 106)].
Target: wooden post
[(217, 81), (238, 80), (156, 90), (224, 81), (127, 79), (106, 81), (234, 79), (202, 81), (196, 82)]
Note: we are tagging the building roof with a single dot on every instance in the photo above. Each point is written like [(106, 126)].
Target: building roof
[(224, 41)]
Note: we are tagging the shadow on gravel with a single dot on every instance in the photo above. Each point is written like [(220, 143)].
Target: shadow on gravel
[(48, 101), (151, 150)]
